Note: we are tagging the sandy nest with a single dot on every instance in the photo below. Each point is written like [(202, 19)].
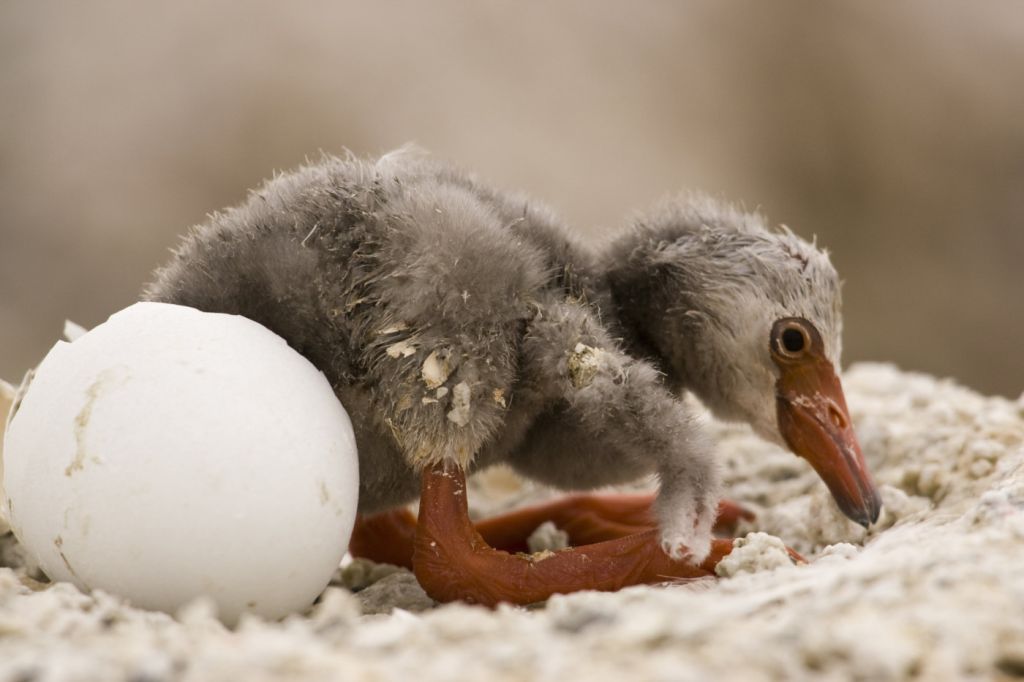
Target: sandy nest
[(936, 592)]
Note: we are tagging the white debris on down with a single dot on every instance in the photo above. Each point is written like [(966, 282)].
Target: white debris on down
[(935, 592), (461, 395), (436, 368), (583, 364), (401, 349)]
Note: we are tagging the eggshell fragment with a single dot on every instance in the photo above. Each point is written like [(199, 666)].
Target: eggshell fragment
[(170, 453), (6, 401)]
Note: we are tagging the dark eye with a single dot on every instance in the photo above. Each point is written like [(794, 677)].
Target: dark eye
[(792, 337), (793, 341)]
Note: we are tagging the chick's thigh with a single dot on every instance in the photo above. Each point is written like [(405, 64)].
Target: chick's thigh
[(612, 420)]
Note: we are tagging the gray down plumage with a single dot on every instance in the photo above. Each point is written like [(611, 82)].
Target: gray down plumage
[(459, 322)]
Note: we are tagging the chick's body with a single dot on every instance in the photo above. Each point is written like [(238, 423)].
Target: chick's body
[(453, 321)]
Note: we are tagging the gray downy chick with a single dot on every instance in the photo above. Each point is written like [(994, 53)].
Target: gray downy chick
[(457, 322)]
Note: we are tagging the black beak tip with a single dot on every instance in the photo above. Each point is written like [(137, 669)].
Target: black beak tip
[(876, 507), (866, 515)]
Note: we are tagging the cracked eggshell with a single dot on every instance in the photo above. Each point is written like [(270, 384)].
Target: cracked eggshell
[(170, 453), (7, 394)]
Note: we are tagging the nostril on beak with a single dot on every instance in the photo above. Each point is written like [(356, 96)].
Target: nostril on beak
[(837, 417)]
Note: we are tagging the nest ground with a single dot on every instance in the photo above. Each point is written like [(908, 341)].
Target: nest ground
[(934, 591)]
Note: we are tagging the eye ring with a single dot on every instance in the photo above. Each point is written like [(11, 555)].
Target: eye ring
[(791, 338)]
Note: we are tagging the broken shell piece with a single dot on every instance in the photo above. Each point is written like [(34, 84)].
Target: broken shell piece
[(7, 393), (459, 413), (437, 368), (402, 349), (72, 330), (19, 395), (583, 364), (10, 401), (441, 392), (393, 329)]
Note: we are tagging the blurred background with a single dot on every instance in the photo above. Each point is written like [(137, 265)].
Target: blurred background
[(892, 131)]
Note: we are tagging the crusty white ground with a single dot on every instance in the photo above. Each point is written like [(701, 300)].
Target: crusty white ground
[(937, 594)]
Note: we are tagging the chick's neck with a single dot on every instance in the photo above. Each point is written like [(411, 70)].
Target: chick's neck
[(649, 311)]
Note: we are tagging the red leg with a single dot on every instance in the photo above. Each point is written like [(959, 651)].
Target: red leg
[(591, 518), (453, 562), (588, 519), (386, 538), (729, 516)]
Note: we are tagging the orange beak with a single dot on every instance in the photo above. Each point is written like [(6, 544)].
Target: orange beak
[(815, 423)]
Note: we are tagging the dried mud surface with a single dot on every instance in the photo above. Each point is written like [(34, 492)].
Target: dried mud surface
[(935, 592)]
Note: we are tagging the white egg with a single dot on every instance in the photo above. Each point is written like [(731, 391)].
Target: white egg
[(169, 454)]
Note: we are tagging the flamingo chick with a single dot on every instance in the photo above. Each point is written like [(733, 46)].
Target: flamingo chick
[(462, 326)]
